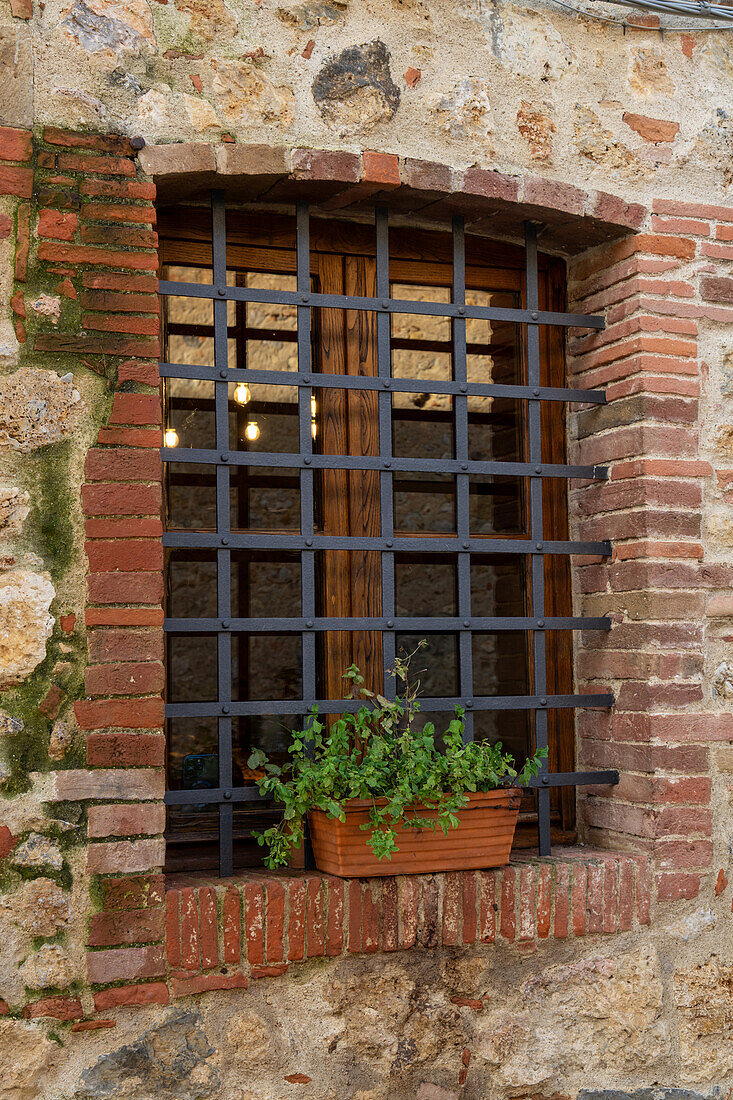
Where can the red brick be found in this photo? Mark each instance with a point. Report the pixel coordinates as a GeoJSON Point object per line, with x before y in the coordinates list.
{"type": "Point", "coordinates": [100, 143]}
{"type": "Point", "coordinates": [296, 919]}
{"type": "Point", "coordinates": [21, 9]}
{"type": "Point", "coordinates": [626, 895]}
{"type": "Point", "coordinates": [119, 322]}
{"type": "Point", "coordinates": [274, 920]}
{"type": "Point", "coordinates": [110, 499]}
{"type": "Point", "coordinates": [451, 909]}
{"type": "Point", "coordinates": [119, 302]}
{"type": "Point", "coordinates": [125, 964]}
{"type": "Point", "coordinates": [125, 855]}
{"type": "Point", "coordinates": [370, 917]}
{"type": "Point", "coordinates": [721, 882]}
{"type": "Point", "coordinates": [59, 226]}
{"type": "Point", "coordinates": [60, 1008]}
{"type": "Point", "coordinates": [189, 919]}
{"type": "Point", "coordinates": [119, 236]}
{"type": "Point", "coordinates": [686, 226]}
{"type": "Point", "coordinates": [135, 409]}
{"type": "Point", "coordinates": [124, 587]}
{"type": "Point", "coordinates": [131, 555]}
{"type": "Point", "coordinates": [115, 280]}
{"type": "Point", "coordinates": [716, 288]}
{"type": "Point", "coordinates": [118, 189]}
{"type": "Point", "coordinates": [115, 750]}
{"type": "Point", "coordinates": [208, 932]}
{"type": "Point", "coordinates": [489, 184]}
{"type": "Point", "coordinates": [544, 900]}
{"type": "Point", "coordinates": [562, 901]}
{"type": "Point", "coordinates": [127, 819]}
{"type": "Point", "coordinates": [22, 239]}
{"type": "Point", "coordinates": [121, 527]}
{"type": "Point", "coordinates": [125, 645]}
{"type": "Point", "coordinates": [320, 164]}
{"type": "Point", "coordinates": [555, 195]}
{"type": "Point", "coordinates": [6, 226]}
{"type": "Point", "coordinates": [152, 993]}
{"type": "Point", "coordinates": [131, 437]}
{"type": "Point", "coordinates": [382, 168]}
{"type": "Point", "coordinates": [335, 918]}
{"type": "Point", "coordinates": [579, 894]}
{"type": "Point", "coordinates": [203, 983]}
{"type": "Point", "coordinates": [275, 970]}
{"type": "Point", "coordinates": [390, 922]}
{"type": "Point", "coordinates": [86, 254]}
{"type": "Point", "coordinates": [90, 164]}
{"type": "Point", "coordinates": [527, 926]}
{"type": "Point", "coordinates": [429, 928]}
{"type": "Point", "coordinates": [508, 918]}
{"type": "Point", "coordinates": [469, 903]}
{"type": "Point", "coordinates": [487, 904]}
{"type": "Point", "coordinates": [610, 208]}
{"type": "Point", "coordinates": [610, 895]}
{"type": "Point", "coordinates": [15, 144]}
{"type": "Point", "coordinates": [411, 76]}
{"type": "Point", "coordinates": [92, 344]}
{"type": "Point", "coordinates": [173, 928]}
{"type": "Point", "coordinates": [231, 925]}
{"type": "Point", "coordinates": [409, 897]}
{"type": "Point", "coordinates": [355, 914]}
{"type": "Point", "coordinates": [16, 181]}
{"type": "Point", "coordinates": [254, 922]}
{"type": "Point", "coordinates": [678, 886]}
{"type": "Point", "coordinates": [133, 892]}
{"type": "Point", "coordinates": [125, 714]}
{"type": "Point", "coordinates": [107, 211]}
{"type": "Point", "coordinates": [314, 917]}
{"type": "Point", "coordinates": [143, 371]}
{"type": "Point", "coordinates": [131, 926]}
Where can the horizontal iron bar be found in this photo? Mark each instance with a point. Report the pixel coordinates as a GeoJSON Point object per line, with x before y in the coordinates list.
{"type": "Point", "coordinates": [573, 779]}
{"type": "Point", "coordinates": [249, 541]}
{"type": "Point", "coordinates": [397, 385]}
{"type": "Point", "coordinates": [281, 460]}
{"type": "Point", "coordinates": [379, 305]}
{"type": "Point", "coordinates": [402, 624]}
{"type": "Point", "coordinates": [335, 706]}
{"type": "Point", "coordinates": [204, 795]}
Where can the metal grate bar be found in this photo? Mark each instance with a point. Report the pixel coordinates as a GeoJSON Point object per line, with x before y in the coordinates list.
{"type": "Point", "coordinates": [463, 503]}
{"type": "Point", "coordinates": [223, 556]}
{"type": "Point", "coordinates": [386, 479]}
{"type": "Point", "coordinates": [397, 385]}
{"type": "Point", "coordinates": [382, 305]}
{"type": "Point", "coordinates": [400, 624]}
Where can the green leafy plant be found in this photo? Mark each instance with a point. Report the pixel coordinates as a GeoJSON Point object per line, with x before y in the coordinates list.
{"type": "Point", "coordinates": [378, 752]}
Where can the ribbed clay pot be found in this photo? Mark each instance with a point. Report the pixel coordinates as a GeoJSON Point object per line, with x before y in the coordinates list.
{"type": "Point", "coordinates": [482, 839]}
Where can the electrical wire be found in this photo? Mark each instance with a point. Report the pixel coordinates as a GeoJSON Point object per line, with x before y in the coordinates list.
{"type": "Point", "coordinates": [663, 6]}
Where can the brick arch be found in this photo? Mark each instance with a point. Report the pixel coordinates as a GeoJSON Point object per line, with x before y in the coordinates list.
{"type": "Point", "coordinates": [493, 203]}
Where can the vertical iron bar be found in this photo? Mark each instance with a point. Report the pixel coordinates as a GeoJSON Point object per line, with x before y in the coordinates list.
{"type": "Point", "coordinates": [307, 516]}
{"type": "Point", "coordinates": [386, 485]}
{"type": "Point", "coordinates": [537, 534]}
{"type": "Point", "coordinates": [223, 526]}
{"type": "Point", "coordinates": [463, 512]}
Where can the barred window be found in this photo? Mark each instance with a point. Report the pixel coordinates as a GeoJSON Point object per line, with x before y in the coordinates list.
{"type": "Point", "coordinates": [364, 446]}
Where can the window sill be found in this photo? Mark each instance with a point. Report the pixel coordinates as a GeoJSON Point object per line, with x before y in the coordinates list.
{"type": "Point", "coordinates": [222, 932]}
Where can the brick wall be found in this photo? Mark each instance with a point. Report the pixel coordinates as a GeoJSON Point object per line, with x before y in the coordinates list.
{"type": "Point", "coordinates": [659, 290]}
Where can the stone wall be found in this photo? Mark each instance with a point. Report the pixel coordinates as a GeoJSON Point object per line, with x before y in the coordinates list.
{"type": "Point", "coordinates": [603, 972]}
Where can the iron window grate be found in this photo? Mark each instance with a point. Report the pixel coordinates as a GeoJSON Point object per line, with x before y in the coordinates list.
{"type": "Point", "coordinates": [309, 624]}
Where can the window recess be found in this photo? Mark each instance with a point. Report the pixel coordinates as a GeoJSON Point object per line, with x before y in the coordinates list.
{"type": "Point", "coordinates": [364, 446]}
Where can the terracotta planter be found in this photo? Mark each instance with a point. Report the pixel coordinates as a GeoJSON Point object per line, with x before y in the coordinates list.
{"type": "Point", "coordinates": [482, 839]}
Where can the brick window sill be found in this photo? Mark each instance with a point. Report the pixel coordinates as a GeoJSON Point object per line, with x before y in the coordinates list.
{"type": "Point", "coordinates": [222, 933]}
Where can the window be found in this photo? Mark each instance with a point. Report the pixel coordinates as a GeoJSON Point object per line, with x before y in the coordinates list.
{"type": "Point", "coordinates": [365, 446]}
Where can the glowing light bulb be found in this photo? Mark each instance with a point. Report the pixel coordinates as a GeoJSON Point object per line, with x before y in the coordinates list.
{"type": "Point", "coordinates": [242, 394]}
{"type": "Point", "coordinates": [314, 407]}
{"type": "Point", "coordinates": [252, 431]}
{"type": "Point", "coordinates": [170, 437]}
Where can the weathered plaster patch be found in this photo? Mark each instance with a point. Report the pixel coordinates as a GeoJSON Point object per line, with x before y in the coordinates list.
{"type": "Point", "coordinates": [36, 408]}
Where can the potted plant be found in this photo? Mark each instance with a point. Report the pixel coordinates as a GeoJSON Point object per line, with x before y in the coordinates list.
{"type": "Point", "coordinates": [426, 807]}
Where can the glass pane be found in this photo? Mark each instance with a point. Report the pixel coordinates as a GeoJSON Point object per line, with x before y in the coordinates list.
{"type": "Point", "coordinates": [513, 728]}
{"type": "Point", "coordinates": [495, 505]}
{"type": "Point", "coordinates": [424, 503]}
{"type": "Point", "coordinates": [264, 499]}
{"type": "Point", "coordinates": [189, 321]}
{"type": "Point", "coordinates": [192, 668]}
{"type": "Point", "coordinates": [263, 418]}
{"type": "Point", "coordinates": [192, 753]}
{"type": "Point", "coordinates": [266, 666]}
{"type": "Point", "coordinates": [191, 413]}
{"type": "Point", "coordinates": [497, 585]}
{"type": "Point", "coordinates": [436, 667]}
{"type": "Point", "coordinates": [500, 663]}
{"type": "Point", "coordinates": [425, 587]}
{"type": "Point", "coordinates": [191, 496]}
{"type": "Point", "coordinates": [265, 584]}
{"type": "Point", "coordinates": [191, 584]}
